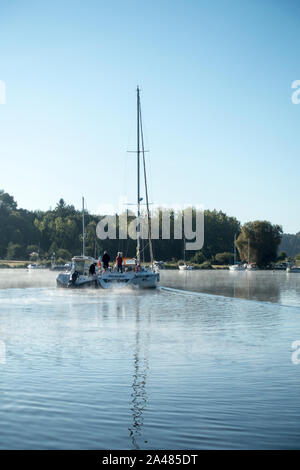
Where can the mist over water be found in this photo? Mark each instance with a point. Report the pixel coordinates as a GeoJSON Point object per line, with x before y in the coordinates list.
{"type": "Point", "coordinates": [21, 278]}
{"type": "Point", "coordinates": [169, 368]}
{"type": "Point", "coordinates": [267, 286]}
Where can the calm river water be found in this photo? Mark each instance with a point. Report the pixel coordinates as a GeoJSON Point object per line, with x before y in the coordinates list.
{"type": "Point", "coordinates": [204, 362]}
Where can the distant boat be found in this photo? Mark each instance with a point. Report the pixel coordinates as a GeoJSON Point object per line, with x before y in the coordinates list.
{"type": "Point", "coordinates": [279, 267]}
{"type": "Point", "coordinates": [59, 267]}
{"type": "Point", "coordinates": [236, 266]}
{"type": "Point", "coordinates": [184, 267]}
{"type": "Point", "coordinates": [30, 267]}
{"type": "Point", "coordinates": [33, 266]}
{"type": "Point", "coordinates": [250, 266]}
{"type": "Point", "coordinates": [80, 274]}
{"type": "Point", "coordinates": [293, 269]}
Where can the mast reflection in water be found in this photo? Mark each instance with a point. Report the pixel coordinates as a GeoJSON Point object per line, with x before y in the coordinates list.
{"type": "Point", "coordinates": [140, 365]}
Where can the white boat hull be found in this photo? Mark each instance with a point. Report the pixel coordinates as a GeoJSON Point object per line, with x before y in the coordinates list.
{"type": "Point", "coordinates": [251, 267]}
{"type": "Point", "coordinates": [30, 267]}
{"type": "Point", "coordinates": [185, 267]}
{"type": "Point", "coordinates": [143, 279]}
{"type": "Point", "coordinates": [65, 280]}
{"type": "Point", "coordinates": [237, 267]}
{"type": "Point", "coordinates": [293, 270]}
{"type": "Point", "coordinates": [109, 280]}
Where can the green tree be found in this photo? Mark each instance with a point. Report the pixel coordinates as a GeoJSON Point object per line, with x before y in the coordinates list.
{"type": "Point", "coordinates": [219, 232]}
{"type": "Point", "coordinates": [15, 251]}
{"type": "Point", "coordinates": [7, 201]}
{"type": "Point", "coordinates": [32, 249]}
{"type": "Point", "coordinates": [290, 243]}
{"type": "Point", "coordinates": [198, 258]}
{"type": "Point", "coordinates": [223, 258]}
{"type": "Point", "coordinates": [63, 254]}
{"type": "Point", "coordinates": [261, 240]}
{"type": "Point", "coordinates": [282, 256]}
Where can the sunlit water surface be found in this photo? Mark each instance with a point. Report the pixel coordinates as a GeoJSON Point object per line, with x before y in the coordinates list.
{"type": "Point", "coordinates": [174, 368]}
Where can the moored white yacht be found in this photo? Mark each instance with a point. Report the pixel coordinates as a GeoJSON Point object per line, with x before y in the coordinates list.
{"type": "Point", "coordinates": [185, 267]}
{"type": "Point", "coordinates": [236, 266]}
{"type": "Point", "coordinates": [293, 269]}
{"type": "Point", "coordinates": [35, 266]}
{"type": "Point", "coordinates": [83, 271]}
{"type": "Point", "coordinates": [251, 267]}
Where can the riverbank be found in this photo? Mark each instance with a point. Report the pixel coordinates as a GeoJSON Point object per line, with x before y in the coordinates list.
{"type": "Point", "coordinates": [4, 264]}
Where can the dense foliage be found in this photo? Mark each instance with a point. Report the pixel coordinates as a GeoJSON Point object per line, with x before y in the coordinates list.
{"type": "Point", "coordinates": [29, 234]}
{"type": "Point", "coordinates": [290, 244]}
{"type": "Point", "coordinates": [258, 242]}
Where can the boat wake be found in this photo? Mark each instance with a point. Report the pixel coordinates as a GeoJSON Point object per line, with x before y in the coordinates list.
{"type": "Point", "coordinates": [221, 297]}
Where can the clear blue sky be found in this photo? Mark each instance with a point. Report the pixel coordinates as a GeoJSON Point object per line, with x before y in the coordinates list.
{"type": "Point", "coordinates": [216, 93]}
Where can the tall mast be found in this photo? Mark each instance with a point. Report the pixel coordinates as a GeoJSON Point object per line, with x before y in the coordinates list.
{"type": "Point", "coordinates": [234, 248]}
{"type": "Point", "coordinates": [248, 250]}
{"type": "Point", "coordinates": [146, 191]}
{"type": "Point", "coordinates": [138, 174]}
{"type": "Point", "coordinates": [83, 229]}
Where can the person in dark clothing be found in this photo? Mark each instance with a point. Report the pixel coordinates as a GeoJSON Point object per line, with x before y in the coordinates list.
{"type": "Point", "coordinates": [74, 278]}
{"type": "Point", "coordinates": [92, 269]}
{"type": "Point", "coordinates": [105, 260]}
{"type": "Point", "coordinates": [119, 261]}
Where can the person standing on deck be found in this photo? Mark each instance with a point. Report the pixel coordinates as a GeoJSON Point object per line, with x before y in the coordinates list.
{"type": "Point", "coordinates": [119, 261]}
{"type": "Point", "coordinates": [105, 260]}
{"type": "Point", "coordinates": [92, 270]}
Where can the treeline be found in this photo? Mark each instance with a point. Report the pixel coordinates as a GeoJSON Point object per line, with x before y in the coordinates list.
{"type": "Point", "coordinates": [290, 244]}
{"type": "Point", "coordinates": [59, 231]}
{"type": "Point", "coordinates": [28, 234]}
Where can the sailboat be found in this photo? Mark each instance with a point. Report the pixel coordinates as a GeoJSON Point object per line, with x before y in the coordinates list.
{"type": "Point", "coordinates": [250, 266]}
{"type": "Point", "coordinates": [184, 267]}
{"type": "Point", "coordinates": [30, 267]}
{"type": "Point", "coordinates": [293, 269]}
{"type": "Point", "coordinates": [236, 266]}
{"type": "Point", "coordinates": [82, 273]}
{"type": "Point", "coordinates": [134, 274]}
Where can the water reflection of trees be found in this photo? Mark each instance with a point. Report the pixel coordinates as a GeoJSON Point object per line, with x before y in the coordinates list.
{"type": "Point", "coordinates": [258, 285]}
